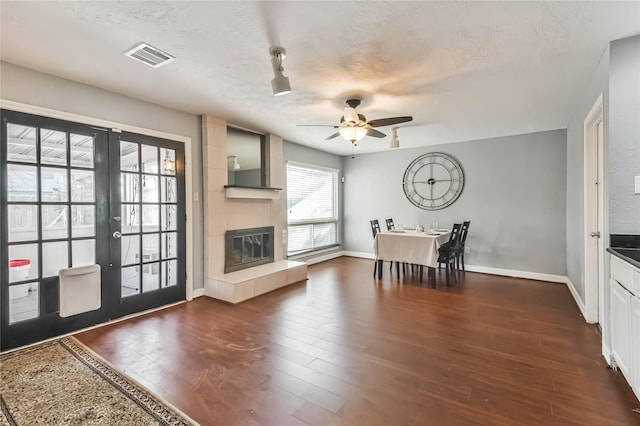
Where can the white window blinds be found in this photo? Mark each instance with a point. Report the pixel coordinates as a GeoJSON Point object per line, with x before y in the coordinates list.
{"type": "Point", "coordinates": [312, 207]}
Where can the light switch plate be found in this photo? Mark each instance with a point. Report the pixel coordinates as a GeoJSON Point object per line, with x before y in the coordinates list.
{"type": "Point", "coordinates": [637, 184]}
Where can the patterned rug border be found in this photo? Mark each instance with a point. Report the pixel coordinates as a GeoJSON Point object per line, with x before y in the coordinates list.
{"type": "Point", "coordinates": [161, 410]}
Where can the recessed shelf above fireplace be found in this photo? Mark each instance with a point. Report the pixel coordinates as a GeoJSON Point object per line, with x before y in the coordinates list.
{"type": "Point", "coordinates": [261, 193]}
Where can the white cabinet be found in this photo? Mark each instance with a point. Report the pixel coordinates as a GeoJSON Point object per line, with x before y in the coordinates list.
{"type": "Point", "coordinates": [635, 343]}
{"type": "Point", "coordinates": [625, 320]}
{"type": "Point", "coordinates": [621, 327]}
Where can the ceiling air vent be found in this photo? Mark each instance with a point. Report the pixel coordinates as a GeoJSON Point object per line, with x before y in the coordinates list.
{"type": "Point", "coordinates": [149, 55]}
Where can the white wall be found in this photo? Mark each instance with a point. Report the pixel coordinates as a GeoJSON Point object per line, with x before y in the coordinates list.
{"type": "Point", "coordinates": [514, 195]}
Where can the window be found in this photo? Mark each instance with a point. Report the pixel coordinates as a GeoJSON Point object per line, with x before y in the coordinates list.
{"type": "Point", "coordinates": [312, 203]}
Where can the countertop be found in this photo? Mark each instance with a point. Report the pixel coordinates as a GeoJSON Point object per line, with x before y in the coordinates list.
{"type": "Point", "coordinates": [630, 255]}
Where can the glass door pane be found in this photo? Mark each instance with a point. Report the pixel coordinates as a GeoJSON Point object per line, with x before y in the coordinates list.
{"type": "Point", "coordinates": [149, 200]}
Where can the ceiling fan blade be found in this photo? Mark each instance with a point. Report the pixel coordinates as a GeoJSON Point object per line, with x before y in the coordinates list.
{"type": "Point", "coordinates": [375, 133]}
{"type": "Point", "coordinates": [317, 125]}
{"type": "Point", "coordinates": [335, 135]}
{"type": "Point", "coordinates": [389, 121]}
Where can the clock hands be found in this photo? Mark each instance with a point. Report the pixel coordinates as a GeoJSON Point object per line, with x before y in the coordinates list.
{"type": "Point", "coordinates": [431, 181]}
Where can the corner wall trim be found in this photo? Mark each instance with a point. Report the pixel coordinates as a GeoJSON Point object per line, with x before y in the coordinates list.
{"type": "Point", "coordinates": [576, 297]}
{"type": "Point", "coordinates": [198, 292]}
{"type": "Point", "coordinates": [606, 353]}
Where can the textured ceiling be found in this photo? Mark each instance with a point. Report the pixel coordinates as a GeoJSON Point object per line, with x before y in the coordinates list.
{"type": "Point", "coordinates": [464, 70]}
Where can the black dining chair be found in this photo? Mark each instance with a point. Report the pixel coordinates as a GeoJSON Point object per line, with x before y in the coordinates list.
{"type": "Point", "coordinates": [390, 225]}
{"type": "Point", "coordinates": [447, 252]}
{"type": "Point", "coordinates": [460, 248]}
{"type": "Point", "coordinates": [375, 228]}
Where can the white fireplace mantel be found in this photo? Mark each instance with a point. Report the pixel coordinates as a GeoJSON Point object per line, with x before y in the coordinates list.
{"type": "Point", "coordinates": [232, 191]}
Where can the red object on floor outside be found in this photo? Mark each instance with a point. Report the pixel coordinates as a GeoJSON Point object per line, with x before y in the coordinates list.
{"type": "Point", "coordinates": [18, 262]}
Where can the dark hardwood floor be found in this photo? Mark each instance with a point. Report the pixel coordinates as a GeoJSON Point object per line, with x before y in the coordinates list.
{"type": "Point", "coordinates": [346, 349]}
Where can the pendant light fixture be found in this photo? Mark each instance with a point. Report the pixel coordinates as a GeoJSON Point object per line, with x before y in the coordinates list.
{"type": "Point", "coordinates": [280, 84]}
{"type": "Point", "coordinates": [234, 162]}
{"type": "Point", "coordinates": [395, 142]}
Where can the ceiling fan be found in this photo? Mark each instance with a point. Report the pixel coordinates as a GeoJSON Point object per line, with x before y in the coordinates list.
{"type": "Point", "coordinates": [354, 126]}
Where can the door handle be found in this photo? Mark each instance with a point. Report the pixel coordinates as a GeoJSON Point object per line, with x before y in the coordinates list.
{"type": "Point", "coordinates": [117, 234]}
{"type": "Point", "coordinates": [595, 234]}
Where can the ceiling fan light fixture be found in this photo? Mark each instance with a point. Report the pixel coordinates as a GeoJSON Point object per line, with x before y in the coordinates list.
{"type": "Point", "coordinates": [350, 115]}
{"type": "Point", "coordinates": [280, 84]}
{"type": "Point", "coordinates": [353, 133]}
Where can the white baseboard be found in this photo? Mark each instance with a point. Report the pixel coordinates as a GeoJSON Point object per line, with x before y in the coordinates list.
{"type": "Point", "coordinates": [323, 258]}
{"type": "Point", "coordinates": [517, 274]}
{"type": "Point", "coordinates": [606, 353]}
{"type": "Point", "coordinates": [358, 254]}
{"type": "Point", "coordinates": [487, 270]}
{"type": "Point", "coordinates": [576, 297]}
{"type": "Point", "coordinates": [562, 279]}
{"type": "Point", "coordinates": [197, 292]}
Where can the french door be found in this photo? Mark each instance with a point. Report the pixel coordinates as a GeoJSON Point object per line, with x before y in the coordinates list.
{"type": "Point", "coordinates": [147, 223]}
{"type": "Point", "coordinates": [75, 195]}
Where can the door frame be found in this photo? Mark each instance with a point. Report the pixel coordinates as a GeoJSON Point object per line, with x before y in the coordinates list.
{"type": "Point", "coordinates": [594, 201]}
{"type": "Point", "coordinates": [115, 126]}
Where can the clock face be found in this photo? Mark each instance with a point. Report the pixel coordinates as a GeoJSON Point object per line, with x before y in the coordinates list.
{"type": "Point", "coordinates": [433, 181]}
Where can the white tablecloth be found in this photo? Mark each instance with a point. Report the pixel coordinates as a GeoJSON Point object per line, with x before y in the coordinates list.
{"type": "Point", "coordinates": [411, 247]}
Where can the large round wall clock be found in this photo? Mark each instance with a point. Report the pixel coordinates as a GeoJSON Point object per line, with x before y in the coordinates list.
{"type": "Point", "coordinates": [433, 181]}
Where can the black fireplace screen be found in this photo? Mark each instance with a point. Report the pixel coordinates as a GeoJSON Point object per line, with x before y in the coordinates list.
{"type": "Point", "coordinates": [245, 248]}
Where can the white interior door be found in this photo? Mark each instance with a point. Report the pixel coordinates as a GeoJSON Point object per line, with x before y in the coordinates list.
{"type": "Point", "coordinates": [594, 214]}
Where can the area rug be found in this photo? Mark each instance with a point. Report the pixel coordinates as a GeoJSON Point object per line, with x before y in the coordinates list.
{"type": "Point", "coordinates": [62, 382]}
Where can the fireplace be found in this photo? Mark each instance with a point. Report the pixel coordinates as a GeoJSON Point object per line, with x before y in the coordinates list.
{"type": "Point", "coordinates": [245, 248]}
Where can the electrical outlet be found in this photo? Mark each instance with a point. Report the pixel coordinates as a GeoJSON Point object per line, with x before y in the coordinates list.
{"type": "Point", "coordinates": [637, 185]}
{"type": "Point", "coordinates": [467, 250]}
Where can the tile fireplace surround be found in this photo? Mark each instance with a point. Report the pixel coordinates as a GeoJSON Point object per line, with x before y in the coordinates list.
{"type": "Point", "coordinates": [223, 213]}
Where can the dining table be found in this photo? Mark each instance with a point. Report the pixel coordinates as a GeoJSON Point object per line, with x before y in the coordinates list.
{"type": "Point", "coordinates": [409, 246]}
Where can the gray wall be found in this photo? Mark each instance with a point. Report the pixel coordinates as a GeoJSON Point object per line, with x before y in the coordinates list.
{"type": "Point", "coordinates": [575, 171]}
{"type": "Point", "coordinates": [514, 195]}
{"type": "Point", "coordinates": [35, 88]}
{"type": "Point", "coordinates": [624, 135]}
{"type": "Point", "coordinates": [251, 177]}
{"type": "Point", "coordinates": [303, 154]}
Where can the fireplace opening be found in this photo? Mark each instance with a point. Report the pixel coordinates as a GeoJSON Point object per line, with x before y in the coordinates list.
{"type": "Point", "coordinates": [246, 248]}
